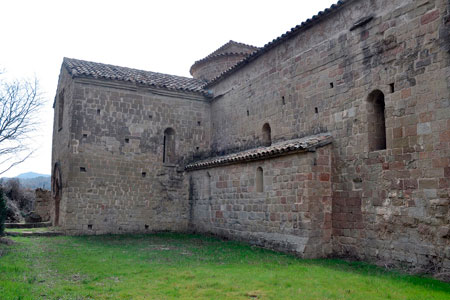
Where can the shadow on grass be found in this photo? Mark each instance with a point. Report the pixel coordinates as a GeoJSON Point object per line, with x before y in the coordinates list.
{"type": "Point", "coordinates": [233, 252]}
{"type": "Point", "coordinates": [368, 270]}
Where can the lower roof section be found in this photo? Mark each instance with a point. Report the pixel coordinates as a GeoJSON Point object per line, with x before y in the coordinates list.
{"type": "Point", "coordinates": [308, 143]}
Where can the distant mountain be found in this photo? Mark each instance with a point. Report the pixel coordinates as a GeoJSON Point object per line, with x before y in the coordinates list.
{"type": "Point", "coordinates": [31, 175]}
{"type": "Point", "coordinates": [42, 182]}
{"type": "Point", "coordinates": [31, 180]}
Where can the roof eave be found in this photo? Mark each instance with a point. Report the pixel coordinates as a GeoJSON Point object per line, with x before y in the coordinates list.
{"type": "Point", "coordinates": [75, 74]}
{"type": "Point", "coordinates": [249, 157]}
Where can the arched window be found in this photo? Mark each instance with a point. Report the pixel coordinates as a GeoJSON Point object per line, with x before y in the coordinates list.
{"type": "Point", "coordinates": [169, 146]}
{"type": "Point", "coordinates": [259, 180]}
{"type": "Point", "coordinates": [60, 109]}
{"type": "Point", "coordinates": [376, 121]}
{"type": "Point", "coordinates": [208, 185]}
{"type": "Point", "coordinates": [266, 135]}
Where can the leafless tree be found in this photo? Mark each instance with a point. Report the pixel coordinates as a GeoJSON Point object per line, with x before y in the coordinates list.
{"type": "Point", "coordinates": [19, 104]}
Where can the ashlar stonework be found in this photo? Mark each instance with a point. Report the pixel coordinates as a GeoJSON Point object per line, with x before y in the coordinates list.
{"type": "Point", "coordinates": [43, 204]}
{"type": "Point", "coordinates": [331, 140]}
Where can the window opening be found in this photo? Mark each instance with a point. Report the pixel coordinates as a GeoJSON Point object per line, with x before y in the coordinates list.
{"type": "Point", "coordinates": [392, 87]}
{"type": "Point", "coordinates": [60, 109]}
{"type": "Point", "coordinates": [376, 121]}
{"type": "Point", "coordinates": [259, 180]}
{"type": "Point", "coordinates": [266, 135]}
{"type": "Point", "coordinates": [169, 146]}
{"type": "Point", "coordinates": [208, 184]}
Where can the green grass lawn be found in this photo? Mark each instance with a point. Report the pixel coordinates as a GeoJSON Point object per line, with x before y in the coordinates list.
{"type": "Point", "coordinates": [173, 266]}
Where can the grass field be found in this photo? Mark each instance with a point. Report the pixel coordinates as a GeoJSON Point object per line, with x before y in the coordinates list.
{"type": "Point", "coordinates": [176, 266]}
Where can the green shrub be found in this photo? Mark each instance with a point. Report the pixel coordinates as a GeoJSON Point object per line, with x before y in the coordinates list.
{"type": "Point", "coordinates": [2, 213]}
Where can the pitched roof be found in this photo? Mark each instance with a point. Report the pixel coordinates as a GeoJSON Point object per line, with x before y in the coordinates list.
{"type": "Point", "coordinates": [231, 48]}
{"type": "Point", "coordinates": [81, 68]}
{"type": "Point", "coordinates": [278, 149]}
{"type": "Point", "coordinates": [293, 31]}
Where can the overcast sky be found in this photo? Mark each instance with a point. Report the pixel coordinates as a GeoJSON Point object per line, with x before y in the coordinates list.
{"type": "Point", "coordinates": [162, 36]}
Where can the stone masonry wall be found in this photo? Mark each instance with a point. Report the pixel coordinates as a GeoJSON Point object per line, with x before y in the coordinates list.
{"type": "Point", "coordinates": [389, 205]}
{"type": "Point", "coordinates": [293, 213]}
{"type": "Point", "coordinates": [117, 180]}
{"type": "Point", "coordinates": [43, 204]}
{"type": "Point", "coordinates": [213, 67]}
{"type": "Point", "coordinates": [61, 140]}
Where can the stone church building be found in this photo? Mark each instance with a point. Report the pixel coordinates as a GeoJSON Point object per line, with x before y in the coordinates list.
{"type": "Point", "coordinates": [331, 140]}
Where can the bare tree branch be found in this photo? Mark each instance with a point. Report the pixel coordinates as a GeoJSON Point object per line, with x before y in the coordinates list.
{"type": "Point", "coordinates": [15, 163]}
{"type": "Point", "coordinates": [19, 104]}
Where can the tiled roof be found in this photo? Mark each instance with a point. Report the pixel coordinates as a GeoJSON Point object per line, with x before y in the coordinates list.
{"type": "Point", "coordinates": [277, 149]}
{"type": "Point", "coordinates": [228, 49]}
{"type": "Point", "coordinates": [211, 56]}
{"type": "Point", "coordinates": [231, 44]}
{"type": "Point", "coordinates": [81, 68]}
{"type": "Point", "coordinates": [309, 22]}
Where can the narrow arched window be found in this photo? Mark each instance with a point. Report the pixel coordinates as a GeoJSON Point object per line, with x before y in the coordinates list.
{"type": "Point", "coordinates": [208, 185]}
{"type": "Point", "coordinates": [266, 135]}
{"type": "Point", "coordinates": [259, 180]}
{"type": "Point", "coordinates": [60, 109]}
{"type": "Point", "coordinates": [376, 121]}
{"type": "Point", "coordinates": [169, 146]}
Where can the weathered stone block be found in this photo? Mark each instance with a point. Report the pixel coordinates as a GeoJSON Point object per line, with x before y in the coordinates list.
{"type": "Point", "coordinates": [377, 189]}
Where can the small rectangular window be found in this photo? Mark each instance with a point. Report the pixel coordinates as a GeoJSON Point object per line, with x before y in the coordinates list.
{"type": "Point", "coordinates": [392, 87]}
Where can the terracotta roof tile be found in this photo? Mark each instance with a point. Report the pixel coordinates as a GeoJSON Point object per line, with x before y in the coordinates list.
{"type": "Point", "coordinates": [278, 149]}
{"type": "Point", "coordinates": [243, 47]}
{"type": "Point", "coordinates": [228, 49]}
{"type": "Point", "coordinates": [81, 68]}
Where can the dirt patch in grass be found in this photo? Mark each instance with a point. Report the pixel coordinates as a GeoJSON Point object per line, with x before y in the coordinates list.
{"type": "Point", "coordinates": [6, 241]}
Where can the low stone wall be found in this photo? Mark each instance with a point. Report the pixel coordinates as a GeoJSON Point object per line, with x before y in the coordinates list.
{"type": "Point", "coordinates": [292, 213]}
